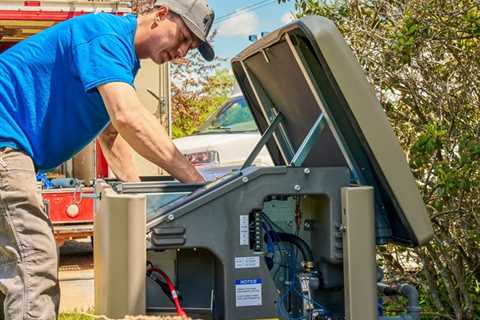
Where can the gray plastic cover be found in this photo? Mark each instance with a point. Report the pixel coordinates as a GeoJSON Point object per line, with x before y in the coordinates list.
{"type": "Point", "coordinates": [305, 69]}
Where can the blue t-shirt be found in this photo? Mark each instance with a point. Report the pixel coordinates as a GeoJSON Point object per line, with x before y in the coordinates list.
{"type": "Point", "coordinates": [49, 105]}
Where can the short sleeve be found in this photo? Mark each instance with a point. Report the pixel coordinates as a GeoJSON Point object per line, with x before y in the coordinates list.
{"type": "Point", "coordinates": [104, 59]}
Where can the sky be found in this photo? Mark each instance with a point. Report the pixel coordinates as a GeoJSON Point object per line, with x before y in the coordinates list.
{"type": "Point", "coordinates": [237, 19]}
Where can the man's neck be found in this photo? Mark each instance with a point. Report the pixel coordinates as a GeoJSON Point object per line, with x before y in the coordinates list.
{"type": "Point", "coordinates": [144, 23]}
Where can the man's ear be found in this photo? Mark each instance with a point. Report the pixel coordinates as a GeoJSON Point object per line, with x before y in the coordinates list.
{"type": "Point", "coordinates": [161, 13]}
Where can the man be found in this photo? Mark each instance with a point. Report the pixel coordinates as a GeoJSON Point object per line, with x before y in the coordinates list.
{"type": "Point", "coordinates": [58, 90]}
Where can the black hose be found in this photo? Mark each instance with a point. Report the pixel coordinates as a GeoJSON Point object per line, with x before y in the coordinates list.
{"type": "Point", "coordinates": [293, 239]}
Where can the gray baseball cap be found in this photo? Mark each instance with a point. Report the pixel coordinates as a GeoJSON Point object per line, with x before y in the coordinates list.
{"type": "Point", "coordinates": [198, 17]}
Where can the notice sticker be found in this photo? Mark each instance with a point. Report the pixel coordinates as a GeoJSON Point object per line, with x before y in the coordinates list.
{"type": "Point", "coordinates": [248, 292]}
{"type": "Point", "coordinates": [247, 262]}
{"type": "Point", "coordinates": [244, 240]}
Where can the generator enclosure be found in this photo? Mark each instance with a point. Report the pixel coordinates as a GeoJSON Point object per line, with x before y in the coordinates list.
{"type": "Point", "coordinates": [292, 240]}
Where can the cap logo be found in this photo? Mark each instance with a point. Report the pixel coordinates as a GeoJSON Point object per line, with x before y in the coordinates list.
{"type": "Point", "coordinates": [208, 21]}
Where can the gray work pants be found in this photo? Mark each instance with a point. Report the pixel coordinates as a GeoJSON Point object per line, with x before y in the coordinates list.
{"type": "Point", "coordinates": [28, 255]}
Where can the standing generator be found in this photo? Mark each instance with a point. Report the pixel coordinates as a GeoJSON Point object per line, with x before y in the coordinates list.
{"type": "Point", "coordinates": [296, 240]}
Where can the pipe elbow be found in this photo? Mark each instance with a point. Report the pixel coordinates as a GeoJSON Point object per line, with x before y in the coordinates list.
{"type": "Point", "coordinates": [411, 293]}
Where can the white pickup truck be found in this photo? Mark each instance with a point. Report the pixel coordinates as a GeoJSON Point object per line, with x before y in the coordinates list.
{"type": "Point", "coordinates": [224, 141]}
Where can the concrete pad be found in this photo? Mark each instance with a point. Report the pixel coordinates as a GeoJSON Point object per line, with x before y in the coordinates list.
{"type": "Point", "coordinates": [76, 276]}
{"type": "Point", "coordinates": [77, 292]}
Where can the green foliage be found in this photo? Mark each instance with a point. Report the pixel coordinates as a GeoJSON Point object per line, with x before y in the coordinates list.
{"type": "Point", "coordinates": [422, 57]}
{"type": "Point", "coordinates": [198, 90]}
{"type": "Point", "coordinates": [75, 316]}
{"type": "Point", "coordinates": [405, 39]}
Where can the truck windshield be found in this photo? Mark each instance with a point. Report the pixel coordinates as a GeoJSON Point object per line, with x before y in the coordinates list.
{"type": "Point", "coordinates": [233, 117]}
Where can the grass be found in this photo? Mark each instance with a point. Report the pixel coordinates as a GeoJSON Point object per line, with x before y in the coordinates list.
{"type": "Point", "coordinates": [74, 316]}
{"type": "Point", "coordinates": [78, 315]}
{"type": "Point", "coordinates": [89, 315]}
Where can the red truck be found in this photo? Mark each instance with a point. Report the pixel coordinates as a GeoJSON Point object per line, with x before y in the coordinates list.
{"type": "Point", "coordinates": [70, 209]}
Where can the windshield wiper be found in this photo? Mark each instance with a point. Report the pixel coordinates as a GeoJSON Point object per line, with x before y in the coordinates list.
{"type": "Point", "coordinates": [215, 130]}
{"type": "Point", "coordinates": [220, 128]}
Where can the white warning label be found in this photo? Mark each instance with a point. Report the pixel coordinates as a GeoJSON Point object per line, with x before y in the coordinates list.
{"type": "Point", "coordinates": [247, 262]}
{"type": "Point", "coordinates": [244, 240]}
{"type": "Point", "coordinates": [248, 292]}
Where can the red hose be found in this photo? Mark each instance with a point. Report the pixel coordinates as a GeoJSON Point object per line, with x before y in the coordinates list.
{"type": "Point", "coordinates": [173, 292]}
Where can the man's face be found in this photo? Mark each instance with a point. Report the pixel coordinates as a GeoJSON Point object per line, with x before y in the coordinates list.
{"type": "Point", "coordinates": [171, 39]}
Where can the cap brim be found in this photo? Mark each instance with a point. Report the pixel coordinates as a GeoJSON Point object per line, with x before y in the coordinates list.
{"type": "Point", "coordinates": [205, 49]}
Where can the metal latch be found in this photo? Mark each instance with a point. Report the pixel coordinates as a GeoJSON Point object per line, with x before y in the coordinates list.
{"type": "Point", "coordinates": [91, 196]}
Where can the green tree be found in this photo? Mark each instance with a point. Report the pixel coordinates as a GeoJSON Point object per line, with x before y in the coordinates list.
{"type": "Point", "coordinates": [422, 57]}
{"type": "Point", "coordinates": [196, 94]}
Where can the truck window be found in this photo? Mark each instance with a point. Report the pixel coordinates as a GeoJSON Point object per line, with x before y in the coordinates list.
{"type": "Point", "coordinates": [233, 117]}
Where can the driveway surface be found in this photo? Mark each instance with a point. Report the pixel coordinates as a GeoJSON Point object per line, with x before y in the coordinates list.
{"type": "Point", "coordinates": [76, 276]}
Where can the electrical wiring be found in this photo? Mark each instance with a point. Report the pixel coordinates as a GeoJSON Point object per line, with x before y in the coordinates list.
{"type": "Point", "coordinates": [163, 285]}
{"type": "Point", "coordinates": [171, 287]}
{"type": "Point", "coordinates": [290, 289]}
{"type": "Point", "coordinates": [270, 255]}
{"type": "Point", "coordinates": [284, 263]}
{"type": "Point", "coordinates": [276, 243]}
{"type": "Point", "coordinates": [285, 291]}
{"type": "Point", "coordinates": [273, 224]}
{"type": "Point", "coordinates": [289, 262]}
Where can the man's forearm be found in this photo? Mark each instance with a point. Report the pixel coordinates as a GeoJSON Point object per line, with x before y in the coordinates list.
{"type": "Point", "coordinates": [149, 139]}
{"type": "Point", "coordinates": [144, 133]}
{"type": "Point", "coordinates": [118, 155]}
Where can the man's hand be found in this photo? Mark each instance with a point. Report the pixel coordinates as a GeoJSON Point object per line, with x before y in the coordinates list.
{"type": "Point", "coordinates": [144, 133]}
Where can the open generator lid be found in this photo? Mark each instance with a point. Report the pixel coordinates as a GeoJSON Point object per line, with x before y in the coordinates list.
{"type": "Point", "coordinates": [305, 72]}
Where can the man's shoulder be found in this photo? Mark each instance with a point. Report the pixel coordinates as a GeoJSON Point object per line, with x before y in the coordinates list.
{"type": "Point", "coordinates": [95, 18]}
{"type": "Point", "coordinates": [91, 26]}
